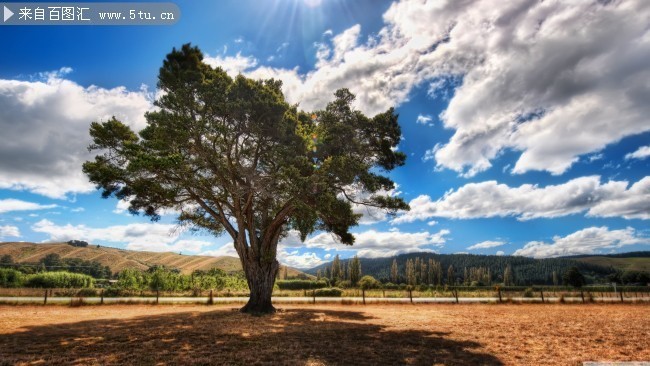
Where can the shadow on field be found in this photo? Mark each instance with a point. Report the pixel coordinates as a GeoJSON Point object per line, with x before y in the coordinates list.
{"type": "Point", "coordinates": [301, 336]}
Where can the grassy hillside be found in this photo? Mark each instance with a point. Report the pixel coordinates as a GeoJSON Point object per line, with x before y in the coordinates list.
{"type": "Point", "coordinates": [118, 259]}
{"type": "Point", "coordinates": [621, 263]}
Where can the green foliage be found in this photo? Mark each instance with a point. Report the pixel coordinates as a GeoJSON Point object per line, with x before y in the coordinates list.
{"type": "Point", "coordinates": [6, 260]}
{"type": "Point", "coordinates": [328, 292]}
{"type": "Point", "coordinates": [337, 272]}
{"type": "Point", "coordinates": [354, 270]}
{"type": "Point", "coordinates": [529, 292]}
{"type": "Point", "coordinates": [301, 284]}
{"type": "Point", "coordinates": [132, 280]}
{"type": "Point", "coordinates": [59, 280]}
{"type": "Point", "coordinates": [10, 278]}
{"type": "Point", "coordinates": [369, 282]}
{"type": "Point", "coordinates": [87, 292]}
{"type": "Point", "coordinates": [52, 262]}
{"type": "Point", "coordinates": [345, 284]}
{"type": "Point", "coordinates": [573, 277]}
{"type": "Point", "coordinates": [390, 286]}
{"type": "Point", "coordinates": [640, 277]}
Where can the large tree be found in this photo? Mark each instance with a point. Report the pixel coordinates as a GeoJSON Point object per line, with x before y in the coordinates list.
{"type": "Point", "coordinates": [232, 156]}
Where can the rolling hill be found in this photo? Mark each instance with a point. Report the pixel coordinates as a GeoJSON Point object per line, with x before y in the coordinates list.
{"type": "Point", "coordinates": [118, 259]}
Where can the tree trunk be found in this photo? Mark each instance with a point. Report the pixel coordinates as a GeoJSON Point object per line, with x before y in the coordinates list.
{"type": "Point", "coordinates": [260, 278]}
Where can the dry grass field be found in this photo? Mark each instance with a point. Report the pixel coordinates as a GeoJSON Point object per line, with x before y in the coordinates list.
{"type": "Point", "coordinates": [326, 335]}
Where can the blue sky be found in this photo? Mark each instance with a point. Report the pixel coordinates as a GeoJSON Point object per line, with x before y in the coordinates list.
{"type": "Point", "coordinates": [525, 124]}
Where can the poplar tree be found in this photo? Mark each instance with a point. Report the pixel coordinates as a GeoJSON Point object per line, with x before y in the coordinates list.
{"type": "Point", "coordinates": [394, 274]}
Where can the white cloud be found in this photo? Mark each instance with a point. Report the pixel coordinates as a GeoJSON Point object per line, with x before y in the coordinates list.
{"type": "Point", "coordinates": [191, 246]}
{"type": "Point", "coordinates": [232, 65]}
{"type": "Point", "coordinates": [642, 153]}
{"type": "Point", "coordinates": [139, 236]}
{"type": "Point", "coordinates": [289, 258]}
{"type": "Point", "coordinates": [424, 120]}
{"type": "Point", "coordinates": [500, 253]}
{"type": "Point", "coordinates": [587, 241]}
{"type": "Point", "coordinates": [300, 261]}
{"type": "Point", "coordinates": [45, 125]}
{"type": "Point", "coordinates": [372, 243]}
{"type": "Point", "coordinates": [535, 77]}
{"type": "Point", "coordinates": [121, 207]}
{"type": "Point", "coordinates": [9, 231]}
{"type": "Point", "coordinates": [227, 250]}
{"type": "Point", "coordinates": [432, 223]}
{"type": "Point", "coordinates": [10, 204]}
{"type": "Point", "coordinates": [595, 157]}
{"type": "Point", "coordinates": [540, 78]}
{"type": "Point", "coordinates": [490, 199]}
{"type": "Point", "coordinates": [486, 244]}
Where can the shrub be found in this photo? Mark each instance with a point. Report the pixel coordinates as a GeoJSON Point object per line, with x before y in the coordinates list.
{"type": "Point", "coordinates": [328, 292]}
{"type": "Point", "coordinates": [10, 278]}
{"type": "Point", "coordinates": [528, 292]}
{"type": "Point", "coordinates": [391, 286]}
{"type": "Point", "coordinates": [423, 288]}
{"type": "Point", "coordinates": [368, 282]}
{"type": "Point", "coordinates": [87, 292]}
{"type": "Point", "coordinates": [402, 286]}
{"type": "Point", "coordinates": [301, 284]}
{"type": "Point", "coordinates": [345, 284]}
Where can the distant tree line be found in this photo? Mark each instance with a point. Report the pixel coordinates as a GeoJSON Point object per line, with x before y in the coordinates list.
{"type": "Point", "coordinates": [471, 270]}
{"type": "Point", "coordinates": [54, 262]}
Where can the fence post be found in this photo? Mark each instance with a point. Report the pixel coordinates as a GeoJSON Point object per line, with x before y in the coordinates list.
{"type": "Point", "coordinates": [102, 295]}
{"type": "Point", "coordinates": [363, 292]}
{"type": "Point", "coordinates": [499, 290]}
{"type": "Point", "coordinates": [621, 292]}
{"type": "Point", "coordinates": [157, 296]}
{"type": "Point", "coordinates": [411, 295]}
{"type": "Point", "coordinates": [313, 294]}
{"type": "Point", "coordinates": [456, 295]}
{"type": "Point", "coordinates": [45, 300]}
{"type": "Point", "coordinates": [582, 294]}
{"type": "Point", "coordinates": [541, 291]}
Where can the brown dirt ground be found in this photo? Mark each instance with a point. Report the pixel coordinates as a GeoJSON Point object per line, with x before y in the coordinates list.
{"type": "Point", "coordinates": [440, 334]}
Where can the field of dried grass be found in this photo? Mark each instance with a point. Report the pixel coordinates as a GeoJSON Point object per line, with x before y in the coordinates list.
{"type": "Point", "coordinates": [531, 334]}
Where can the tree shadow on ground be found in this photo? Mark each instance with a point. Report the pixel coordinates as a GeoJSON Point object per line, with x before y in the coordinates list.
{"type": "Point", "coordinates": [294, 337]}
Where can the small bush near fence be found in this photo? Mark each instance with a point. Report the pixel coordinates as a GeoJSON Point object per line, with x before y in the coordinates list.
{"type": "Point", "coordinates": [300, 284]}
{"type": "Point", "coordinates": [328, 292]}
{"type": "Point", "coordinates": [10, 278]}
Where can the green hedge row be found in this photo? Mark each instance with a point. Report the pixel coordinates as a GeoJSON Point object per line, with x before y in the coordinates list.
{"type": "Point", "coordinates": [301, 284]}
{"type": "Point", "coordinates": [59, 280]}
{"type": "Point", "coordinates": [328, 292]}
